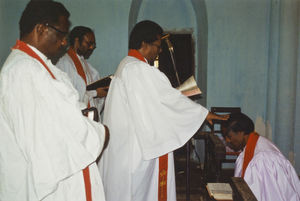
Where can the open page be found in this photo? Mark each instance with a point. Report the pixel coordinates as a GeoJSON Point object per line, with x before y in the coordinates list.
{"type": "Point", "coordinates": [189, 87]}
{"type": "Point", "coordinates": [220, 191]}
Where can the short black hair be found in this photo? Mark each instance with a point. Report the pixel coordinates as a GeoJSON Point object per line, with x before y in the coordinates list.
{"type": "Point", "coordinates": [78, 32]}
{"type": "Point", "coordinates": [41, 12]}
{"type": "Point", "coordinates": [239, 122]}
{"type": "Point", "coordinates": [144, 31]}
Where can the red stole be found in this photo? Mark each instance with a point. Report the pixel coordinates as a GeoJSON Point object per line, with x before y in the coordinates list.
{"type": "Point", "coordinates": [20, 45]}
{"type": "Point", "coordinates": [249, 151]}
{"type": "Point", "coordinates": [77, 63]}
{"type": "Point", "coordinates": [163, 160]}
{"type": "Point", "coordinates": [78, 66]}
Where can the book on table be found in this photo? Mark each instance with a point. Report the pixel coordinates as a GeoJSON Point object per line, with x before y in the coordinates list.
{"type": "Point", "coordinates": [102, 83]}
{"type": "Point", "coordinates": [219, 191]}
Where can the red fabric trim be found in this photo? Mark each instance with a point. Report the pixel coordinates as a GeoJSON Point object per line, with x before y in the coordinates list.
{"type": "Point", "coordinates": [77, 63]}
{"type": "Point", "coordinates": [163, 178]}
{"type": "Point", "coordinates": [78, 66]}
{"type": "Point", "coordinates": [249, 151]}
{"type": "Point", "coordinates": [136, 54]}
{"type": "Point", "coordinates": [20, 45]}
{"type": "Point", "coordinates": [163, 160]}
{"type": "Point", "coordinates": [87, 184]}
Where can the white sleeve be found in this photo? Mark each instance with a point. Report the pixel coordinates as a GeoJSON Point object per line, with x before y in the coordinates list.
{"type": "Point", "coordinates": [164, 118]}
{"type": "Point", "coordinates": [45, 116]}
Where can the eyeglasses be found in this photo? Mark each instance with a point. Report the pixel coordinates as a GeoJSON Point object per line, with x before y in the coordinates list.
{"type": "Point", "coordinates": [90, 44]}
{"type": "Point", "coordinates": [57, 30]}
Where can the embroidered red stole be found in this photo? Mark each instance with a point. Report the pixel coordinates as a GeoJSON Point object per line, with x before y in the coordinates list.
{"type": "Point", "coordinates": [163, 160]}
{"type": "Point", "coordinates": [20, 45]}
{"type": "Point", "coordinates": [249, 151]}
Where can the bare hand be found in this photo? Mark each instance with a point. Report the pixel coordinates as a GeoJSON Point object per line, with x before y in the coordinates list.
{"type": "Point", "coordinates": [211, 116]}
{"type": "Point", "coordinates": [102, 92]}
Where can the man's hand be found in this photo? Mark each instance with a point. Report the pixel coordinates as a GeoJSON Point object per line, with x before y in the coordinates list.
{"type": "Point", "coordinates": [102, 92]}
{"type": "Point", "coordinates": [211, 116]}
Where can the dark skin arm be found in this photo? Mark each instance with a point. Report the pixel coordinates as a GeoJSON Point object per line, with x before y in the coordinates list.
{"type": "Point", "coordinates": [211, 116]}
{"type": "Point", "coordinates": [102, 92]}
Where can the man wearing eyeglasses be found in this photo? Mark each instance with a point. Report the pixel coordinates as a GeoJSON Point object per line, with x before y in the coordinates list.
{"type": "Point", "coordinates": [48, 148]}
{"type": "Point", "coordinates": [148, 119]}
{"type": "Point", "coordinates": [82, 44]}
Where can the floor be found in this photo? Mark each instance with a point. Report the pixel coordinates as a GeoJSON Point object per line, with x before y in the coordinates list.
{"type": "Point", "coordinates": [197, 181]}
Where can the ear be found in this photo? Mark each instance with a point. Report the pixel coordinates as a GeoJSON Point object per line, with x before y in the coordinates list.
{"type": "Point", "coordinates": [76, 43]}
{"type": "Point", "coordinates": [40, 29]}
{"type": "Point", "coordinates": [241, 133]}
{"type": "Point", "coordinates": [144, 45]}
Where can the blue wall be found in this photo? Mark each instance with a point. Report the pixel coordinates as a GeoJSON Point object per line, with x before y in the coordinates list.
{"type": "Point", "coordinates": [246, 51]}
{"type": "Point", "coordinates": [10, 13]}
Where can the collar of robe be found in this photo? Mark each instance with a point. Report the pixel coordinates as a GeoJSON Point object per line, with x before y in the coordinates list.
{"type": "Point", "coordinates": [136, 54]}
{"type": "Point", "coordinates": [20, 45]}
{"type": "Point", "coordinates": [249, 150]}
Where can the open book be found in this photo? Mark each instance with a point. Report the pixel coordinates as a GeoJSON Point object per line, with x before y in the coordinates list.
{"type": "Point", "coordinates": [219, 191]}
{"type": "Point", "coordinates": [104, 82]}
{"type": "Point", "coordinates": [189, 87]}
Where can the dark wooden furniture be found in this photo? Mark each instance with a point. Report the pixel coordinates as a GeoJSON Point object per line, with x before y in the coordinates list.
{"type": "Point", "coordinates": [241, 190]}
{"type": "Point", "coordinates": [215, 149]}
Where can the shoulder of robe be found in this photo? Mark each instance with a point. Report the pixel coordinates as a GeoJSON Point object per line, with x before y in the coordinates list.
{"type": "Point", "coordinates": [22, 63]}
{"type": "Point", "coordinates": [65, 62]}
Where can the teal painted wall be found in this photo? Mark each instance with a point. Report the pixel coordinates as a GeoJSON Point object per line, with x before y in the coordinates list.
{"type": "Point", "coordinates": [109, 20]}
{"type": "Point", "coordinates": [238, 54]}
{"type": "Point", "coordinates": [10, 13]}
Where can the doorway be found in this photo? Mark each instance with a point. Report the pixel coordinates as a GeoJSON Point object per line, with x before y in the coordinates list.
{"type": "Point", "coordinates": [183, 46]}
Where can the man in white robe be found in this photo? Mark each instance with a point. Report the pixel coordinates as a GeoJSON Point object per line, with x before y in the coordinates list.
{"type": "Point", "coordinates": [148, 119]}
{"type": "Point", "coordinates": [82, 44]}
{"type": "Point", "coordinates": [268, 173]}
{"type": "Point", "coordinates": [48, 148]}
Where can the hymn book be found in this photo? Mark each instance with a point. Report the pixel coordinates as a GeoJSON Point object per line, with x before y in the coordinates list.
{"type": "Point", "coordinates": [189, 87]}
{"type": "Point", "coordinates": [104, 82]}
{"type": "Point", "coordinates": [219, 191]}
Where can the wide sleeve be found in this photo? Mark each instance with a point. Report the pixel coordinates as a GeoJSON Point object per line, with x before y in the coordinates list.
{"type": "Point", "coordinates": [271, 177]}
{"type": "Point", "coordinates": [45, 117]}
{"type": "Point", "coordinates": [164, 119]}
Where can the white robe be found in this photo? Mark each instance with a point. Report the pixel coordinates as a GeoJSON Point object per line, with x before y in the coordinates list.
{"type": "Point", "coordinates": [269, 174]}
{"type": "Point", "coordinates": [147, 118]}
{"type": "Point", "coordinates": [45, 139]}
{"type": "Point", "coordinates": [67, 65]}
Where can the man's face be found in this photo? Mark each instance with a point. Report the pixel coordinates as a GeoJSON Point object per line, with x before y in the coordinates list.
{"type": "Point", "coordinates": [87, 46]}
{"type": "Point", "coordinates": [153, 49]}
{"type": "Point", "coordinates": [55, 43]}
{"type": "Point", "coordinates": [236, 140]}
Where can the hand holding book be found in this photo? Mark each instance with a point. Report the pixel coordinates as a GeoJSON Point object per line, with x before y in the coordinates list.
{"type": "Point", "coordinates": [102, 83]}
{"type": "Point", "coordinates": [102, 92]}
